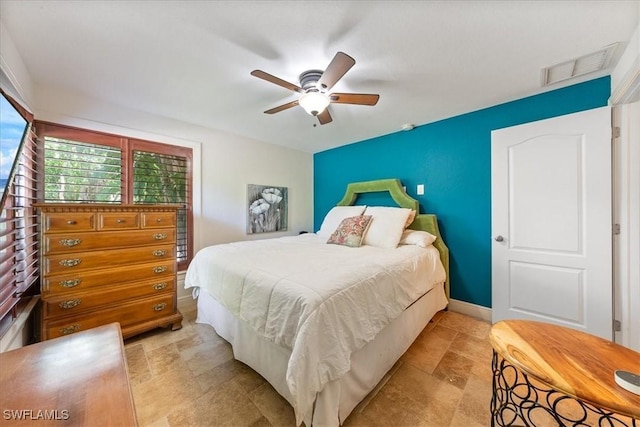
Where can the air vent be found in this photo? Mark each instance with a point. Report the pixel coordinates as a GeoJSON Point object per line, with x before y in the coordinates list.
{"type": "Point", "coordinates": [586, 64]}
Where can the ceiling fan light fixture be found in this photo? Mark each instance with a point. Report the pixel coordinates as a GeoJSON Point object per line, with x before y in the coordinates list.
{"type": "Point", "coordinates": [314, 103]}
{"type": "Point", "coordinates": [315, 86]}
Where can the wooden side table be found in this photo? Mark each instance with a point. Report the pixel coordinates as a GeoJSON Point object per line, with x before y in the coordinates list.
{"type": "Point", "coordinates": [548, 375]}
{"type": "Point", "coordinates": [75, 380]}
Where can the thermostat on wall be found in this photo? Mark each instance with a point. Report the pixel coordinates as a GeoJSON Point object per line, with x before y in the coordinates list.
{"type": "Point", "coordinates": [628, 381]}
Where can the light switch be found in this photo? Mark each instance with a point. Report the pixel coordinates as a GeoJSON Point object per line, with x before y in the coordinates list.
{"type": "Point", "coordinates": [420, 189]}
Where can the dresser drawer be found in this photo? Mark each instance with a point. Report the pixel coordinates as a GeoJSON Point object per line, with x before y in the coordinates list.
{"type": "Point", "coordinates": [118, 221]}
{"type": "Point", "coordinates": [55, 222]}
{"type": "Point", "coordinates": [59, 263]}
{"type": "Point", "coordinates": [158, 219]}
{"type": "Point", "coordinates": [102, 263]}
{"type": "Point", "coordinates": [83, 301]}
{"type": "Point", "coordinates": [89, 241]}
{"type": "Point", "coordinates": [126, 314]}
{"type": "Point", "coordinates": [75, 281]}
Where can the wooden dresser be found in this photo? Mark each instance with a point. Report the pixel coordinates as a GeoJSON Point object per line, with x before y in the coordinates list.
{"type": "Point", "coordinates": [104, 263]}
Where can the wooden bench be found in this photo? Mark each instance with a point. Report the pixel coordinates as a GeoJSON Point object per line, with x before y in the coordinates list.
{"type": "Point", "coordinates": [75, 380]}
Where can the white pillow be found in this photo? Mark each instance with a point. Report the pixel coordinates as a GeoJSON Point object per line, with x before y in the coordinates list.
{"type": "Point", "coordinates": [418, 238]}
{"type": "Point", "coordinates": [335, 216]}
{"type": "Point", "coordinates": [386, 226]}
{"type": "Point", "coordinates": [410, 218]}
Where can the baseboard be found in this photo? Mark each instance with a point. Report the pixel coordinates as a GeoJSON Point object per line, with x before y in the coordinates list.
{"type": "Point", "coordinates": [473, 310]}
{"type": "Point", "coordinates": [184, 299]}
{"type": "Point", "coordinates": [18, 333]}
{"type": "Point", "coordinates": [183, 294]}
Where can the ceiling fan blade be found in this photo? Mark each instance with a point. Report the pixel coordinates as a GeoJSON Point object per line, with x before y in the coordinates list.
{"type": "Point", "coordinates": [324, 117]}
{"type": "Point", "coordinates": [282, 107]}
{"type": "Point", "coordinates": [340, 64]}
{"type": "Point", "coordinates": [354, 98]}
{"type": "Point", "coordinates": [273, 79]}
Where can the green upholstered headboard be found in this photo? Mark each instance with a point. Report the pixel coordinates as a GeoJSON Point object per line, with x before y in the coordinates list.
{"type": "Point", "coordinates": [393, 186]}
{"type": "Point", "coordinates": [425, 222]}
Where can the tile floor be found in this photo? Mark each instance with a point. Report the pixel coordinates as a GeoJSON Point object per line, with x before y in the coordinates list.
{"type": "Point", "coordinates": [189, 378]}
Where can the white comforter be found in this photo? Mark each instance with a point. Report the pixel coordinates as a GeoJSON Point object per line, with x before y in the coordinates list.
{"type": "Point", "coordinates": [320, 301]}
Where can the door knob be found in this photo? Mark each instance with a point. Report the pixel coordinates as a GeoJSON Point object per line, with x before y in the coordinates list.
{"type": "Point", "coordinates": [499, 239]}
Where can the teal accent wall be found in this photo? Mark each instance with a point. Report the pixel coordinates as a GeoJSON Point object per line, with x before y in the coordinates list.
{"type": "Point", "coordinates": [452, 158]}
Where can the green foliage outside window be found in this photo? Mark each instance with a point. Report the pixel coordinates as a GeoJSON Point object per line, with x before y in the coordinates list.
{"type": "Point", "coordinates": [159, 178]}
{"type": "Point", "coordinates": [80, 172]}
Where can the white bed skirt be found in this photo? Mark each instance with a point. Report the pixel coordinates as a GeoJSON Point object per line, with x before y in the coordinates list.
{"type": "Point", "coordinates": [368, 365]}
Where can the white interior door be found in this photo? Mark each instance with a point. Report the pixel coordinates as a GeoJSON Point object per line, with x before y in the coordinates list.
{"type": "Point", "coordinates": [551, 222]}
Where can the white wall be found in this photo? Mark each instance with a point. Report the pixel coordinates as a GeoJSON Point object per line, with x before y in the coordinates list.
{"type": "Point", "coordinates": [14, 77]}
{"type": "Point", "coordinates": [625, 78]}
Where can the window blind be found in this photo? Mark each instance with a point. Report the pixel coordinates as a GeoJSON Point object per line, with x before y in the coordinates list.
{"type": "Point", "coordinates": [80, 172]}
{"type": "Point", "coordinates": [19, 264]}
{"type": "Point", "coordinates": [163, 178]}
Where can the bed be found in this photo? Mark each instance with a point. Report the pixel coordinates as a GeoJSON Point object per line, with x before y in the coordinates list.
{"type": "Point", "coordinates": [323, 323]}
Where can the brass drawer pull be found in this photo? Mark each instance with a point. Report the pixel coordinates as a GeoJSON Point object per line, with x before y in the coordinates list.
{"type": "Point", "coordinates": [70, 242]}
{"type": "Point", "coordinates": [69, 329]}
{"type": "Point", "coordinates": [160, 286]}
{"type": "Point", "coordinates": [69, 304]}
{"type": "Point", "coordinates": [160, 236]}
{"type": "Point", "coordinates": [159, 307]}
{"type": "Point", "coordinates": [158, 219]}
{"type": "Point", "coordinates": [70, 283]}
{"type": "Point", "coordinates": [70, 262]}
{"type": "Point", "coordinates": [159, 252]}
{"type": "Point", "coordinates": [72, 222]}
{"type": "Point", "coordinates": [121, 221]}
{"type": "Point", "coordinates": [159, 269]}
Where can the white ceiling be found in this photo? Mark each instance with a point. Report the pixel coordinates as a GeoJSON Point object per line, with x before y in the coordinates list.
{"type": "Point", "coordinates": [190, 60]}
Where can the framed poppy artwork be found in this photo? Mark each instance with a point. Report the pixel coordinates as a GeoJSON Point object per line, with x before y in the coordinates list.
{"type": "Point", "coordinates": [266, 209]}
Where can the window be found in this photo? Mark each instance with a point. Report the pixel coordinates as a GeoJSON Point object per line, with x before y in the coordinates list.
{"type": "Point", "coordinates": [91, 167]}
{"type": "Point", "coordinates": [19, 267]}
{"type": "Point", "coordinates": [162, 178]}
{"type": "Point", "coordinates": [78, 172]}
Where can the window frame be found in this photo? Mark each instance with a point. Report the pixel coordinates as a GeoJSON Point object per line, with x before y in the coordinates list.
{"type": "Point", "coordinates": [127, 146]}
{"type": "Point", "coordinates": [20, 220]}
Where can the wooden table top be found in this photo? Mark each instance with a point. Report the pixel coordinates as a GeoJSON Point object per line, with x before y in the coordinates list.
{"type": "Point", "coordinates": [75, 380]}
{"type": "Point", "coordinates": [572, 362]}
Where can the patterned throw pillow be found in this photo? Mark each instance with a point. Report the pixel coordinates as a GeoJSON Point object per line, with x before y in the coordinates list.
{"type": "Point", "coordinates": [351, 231]}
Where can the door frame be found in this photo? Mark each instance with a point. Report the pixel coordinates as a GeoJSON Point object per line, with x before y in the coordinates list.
{"type": "Point", "coordinates": [626, 214]}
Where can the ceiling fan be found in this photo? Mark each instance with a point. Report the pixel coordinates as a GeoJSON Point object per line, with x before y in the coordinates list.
{"type": "Point", "coordinates": [314, 87]}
